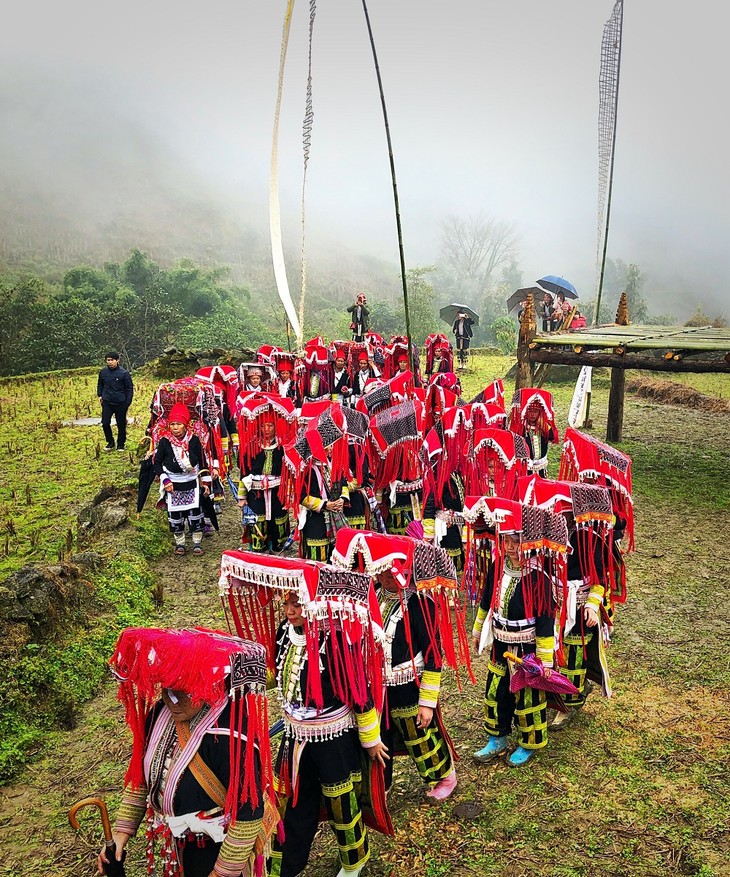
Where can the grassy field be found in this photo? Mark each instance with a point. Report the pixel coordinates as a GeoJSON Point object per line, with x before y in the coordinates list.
{"type": "Point", "coordinates": [635, 786]}
{"type": "Point", "coordinates": [53, 467]}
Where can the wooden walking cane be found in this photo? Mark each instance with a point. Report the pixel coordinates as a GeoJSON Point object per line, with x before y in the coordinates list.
{"type": "Point", "coordinates": [114, 868]}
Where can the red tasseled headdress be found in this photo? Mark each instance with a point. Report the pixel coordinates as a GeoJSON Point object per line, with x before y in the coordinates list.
{"type": "Point", "coordinates": [488, 414]}
{"type": "Point", "coordinates": [396, 438]}
{"type": "Point", "coordinates": [211, 667]}
{"type": "Point", "coordinates": [418, 567]}
{"type": "Point", "coordinates": [332, 599]}
{"type": "Point", "coordinates": [592, 511]}
{"type": "Point", "coordinates": [543, 545]}
{"type": "Point", "coordinates": [522, 401]}
{"type": "Point", "coordinates": [588, 459]}
{"type": "Point", "coordinates": [498, 458]}
{"type": "Point", "coordinates": [256, 409]}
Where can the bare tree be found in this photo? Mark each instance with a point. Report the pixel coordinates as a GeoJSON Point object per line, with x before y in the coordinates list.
{"type": "Point", "coordinates": [477, 247]}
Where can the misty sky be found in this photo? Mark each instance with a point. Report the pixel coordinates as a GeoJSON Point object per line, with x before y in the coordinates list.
{"type": "Point", "coordinates": [493, 108]}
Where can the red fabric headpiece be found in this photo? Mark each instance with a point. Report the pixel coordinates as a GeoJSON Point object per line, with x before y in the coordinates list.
{"type": "Point", "coordinates": [418, 567]}
{"type": "Point", "coordinates": [211, 667]}
{"type": "Point", "coordinates": [333, 600]}
{"type": "Point", "coordinates": [179, 413]}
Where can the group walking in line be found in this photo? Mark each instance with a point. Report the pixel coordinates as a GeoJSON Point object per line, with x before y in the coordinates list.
{"type": "Point", "coordinates": [376, 505]}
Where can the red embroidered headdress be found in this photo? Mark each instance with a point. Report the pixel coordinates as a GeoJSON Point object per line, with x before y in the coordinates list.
{"type": "Point", "coordinates": [497, 459]}
{"type": "Point", "coordinates": [543, 544]}
{"type": "Point", "coordinates": [591, 508]}
{"type": "Point", "coordinates": [586, 458]}
{"type": "Point", "coordinates": [212, 668]}
{"type": "Point", "coordinates": [203, 409]}
{"type": "Point", "coordinates": [523, 400]}
{"type": "Point", "coordinates": [421, 568]}
{"type": "Point", "coordinates": [256, 409]}
{"type": "Point", "coordinates": [332, 599]}
{"type": "Point", "coordinates": [396, 437]}
{"type": "Point", "coordinates": [323, 442]}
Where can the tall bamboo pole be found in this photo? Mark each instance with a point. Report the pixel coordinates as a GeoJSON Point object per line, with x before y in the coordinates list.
{"type": "Point", "coordinates": [395, 185]}
{"type": "Point", "coordinates": [610, 175]}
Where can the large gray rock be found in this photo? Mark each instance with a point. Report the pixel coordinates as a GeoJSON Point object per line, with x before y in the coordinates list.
{"type": "Point", "coordinates": [109, 510]}
{"type": "Point", "coordinates": [34, 595]}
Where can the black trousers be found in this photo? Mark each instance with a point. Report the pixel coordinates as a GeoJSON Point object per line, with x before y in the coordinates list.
{"type": "Point", "coordinates": [119, 411]}
{"type": "Point", "coordinates": [199, 861]}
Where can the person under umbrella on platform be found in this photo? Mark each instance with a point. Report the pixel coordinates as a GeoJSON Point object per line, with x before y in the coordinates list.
{"type": "Point", "coordinates": [200, 773]}
{"type": "Point", "coordinates": [181, 466]}
{"type": "Point", "coordinates": [463, 334]}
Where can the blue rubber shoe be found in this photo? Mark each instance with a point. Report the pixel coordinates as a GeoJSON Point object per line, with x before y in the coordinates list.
{"type": "Point", "coordinates": [520, 756]}
{"type": "Point", "coordinates": [497, 746]}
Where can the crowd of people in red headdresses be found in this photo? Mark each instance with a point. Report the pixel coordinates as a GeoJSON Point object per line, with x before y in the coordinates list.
{"type": "Point", "coordinates": [377, 503]}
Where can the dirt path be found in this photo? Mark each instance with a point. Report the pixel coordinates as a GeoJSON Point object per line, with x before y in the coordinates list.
{"type": "Point", "coordinates": [636, 785]}
{"type": "Point", "coordinates": [91, 759]}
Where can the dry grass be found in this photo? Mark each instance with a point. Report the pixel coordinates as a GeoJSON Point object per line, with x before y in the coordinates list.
{"type": "Point", "coordinates": [674, 393]}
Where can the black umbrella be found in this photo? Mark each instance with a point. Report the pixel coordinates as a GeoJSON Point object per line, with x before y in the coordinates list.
{"type": "Point", "coordinates": [208, 508]}
{"type": "Point", "coordinates": [449, 313]}
{"type": "Point", "coordinates": [145, 482]}
{"type": "Point", "coordinates": [521, 294]}
{"type": "Point", "coordinates": [113, 868]}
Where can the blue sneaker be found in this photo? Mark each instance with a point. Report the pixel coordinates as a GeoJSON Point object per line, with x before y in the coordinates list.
{"type": "Point", "coordinates": [520, 756]}
{"type": "Point", "coordinates": [497, 746]}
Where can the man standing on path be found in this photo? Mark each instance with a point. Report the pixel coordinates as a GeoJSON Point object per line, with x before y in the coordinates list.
{"type": "Point", "coordinates": [115, 390]}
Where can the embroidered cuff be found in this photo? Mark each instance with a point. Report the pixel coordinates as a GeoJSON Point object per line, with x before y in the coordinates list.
{"type": "Point", "coordinates": [479, 621]}
{"type": "Point", "coordinates": [313, 503]}
{"type": "Point", "coordinates": [429, 528]}
{"type": "Point", "coordinates": [544, 648]}
{"type": "Point", "coordinates": [237, 847]}
{"type": "Point", "coordinates": [368, 728]}
{"type": "Point", "coordinates": [428, 694]}
{"type": "Point", "coordinates": [132, 809]}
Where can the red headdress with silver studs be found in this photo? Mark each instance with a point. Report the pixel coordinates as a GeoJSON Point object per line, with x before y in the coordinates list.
{"type": "Point", "coordinates": [421, 568]}
{"type": "Point", "coordinates": [212, 668]}
{"type": "Point", "coordinates": [332, 600]}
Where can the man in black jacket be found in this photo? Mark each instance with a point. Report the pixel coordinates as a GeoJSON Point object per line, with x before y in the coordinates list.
{"type": "Point", "coordinates": [115, 390]}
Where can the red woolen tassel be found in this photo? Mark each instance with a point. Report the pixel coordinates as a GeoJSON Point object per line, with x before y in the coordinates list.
{"type": "Point", "coordinates": [250, 786]}
{"type": "Point", "coordinates": [314, 680]}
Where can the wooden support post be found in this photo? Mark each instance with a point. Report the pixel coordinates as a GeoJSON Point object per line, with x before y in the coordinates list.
{"type": "Point", "coordinates": [615, 425]}
{"type": "Point", "coordinates": [528, 330]}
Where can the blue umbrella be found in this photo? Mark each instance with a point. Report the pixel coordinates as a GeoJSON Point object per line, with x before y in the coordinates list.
{"type": "Point", "coordinates": [558, 284]}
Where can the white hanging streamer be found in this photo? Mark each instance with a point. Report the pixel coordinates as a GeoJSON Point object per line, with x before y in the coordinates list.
{"type": "Point", "coordinates": [277, 249]}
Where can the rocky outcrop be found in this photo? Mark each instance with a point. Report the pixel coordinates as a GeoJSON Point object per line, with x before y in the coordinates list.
{"type": "Point", "coordinates": [177, 363]}
{"type": "Point", "coordinates": [108, 511]}
{"type": "Point", "coordinates": [43, 597]}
